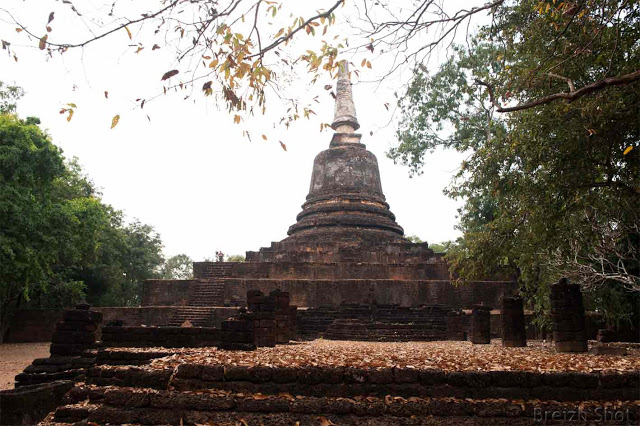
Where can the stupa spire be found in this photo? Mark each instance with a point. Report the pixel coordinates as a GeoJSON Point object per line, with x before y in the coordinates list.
{"type": "Point", "coordinates": [345, 120]}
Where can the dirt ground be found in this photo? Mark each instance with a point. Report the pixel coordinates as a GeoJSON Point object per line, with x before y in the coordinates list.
{"type": "Point", "coordinates": [14, 357]}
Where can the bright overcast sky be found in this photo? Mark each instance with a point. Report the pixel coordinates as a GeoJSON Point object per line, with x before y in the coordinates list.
{"type": "Point", "coordinates": [189, 172]}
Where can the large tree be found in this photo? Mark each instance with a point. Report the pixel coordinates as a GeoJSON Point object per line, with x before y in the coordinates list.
{"type": "Point", "coordinates": [545, 102]}
{"type": "Point", "coordinates": [58, 241]}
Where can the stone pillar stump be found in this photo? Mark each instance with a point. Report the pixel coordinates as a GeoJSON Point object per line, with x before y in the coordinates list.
{"type": "Point", "coordinates": [512, 322]}
{"type": "Point", "coordinates": [481, 325]}
{"type": "Point", "coordinates": [567, 313]}
{"type": "Point", "coordinates": [455, 330]}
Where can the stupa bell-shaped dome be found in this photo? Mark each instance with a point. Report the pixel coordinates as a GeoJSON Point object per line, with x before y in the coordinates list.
{"type": "Point", "coordinates": [345, 201]}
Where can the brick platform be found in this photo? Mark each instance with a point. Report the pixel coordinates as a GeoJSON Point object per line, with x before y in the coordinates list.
{"type": "Point", "coordinates": [385, 323]}
{"type": "Point", "coordinates": [196, 394]}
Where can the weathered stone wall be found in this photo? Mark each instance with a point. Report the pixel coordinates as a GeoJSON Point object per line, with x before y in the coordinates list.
{"type": "Point", "coordinates": [33, 325]}
{"type": "Point", "coordinates": [375, 323]}
{"type": "Point", "coordinates": [407, 382]}
{"type": "Point", "coordinates": [322, 271]}
{"type": "Point", "coordinates": [166, 337]}
{"type": "Point", "coordinates": [333, 252]}
{"type": "Point", "coordinates": [132, 316]}
{"type": "Point", "coordinates": [28, 405]}
{"type": "Point", "coordinates": [317, 293]}
{"type": "Point", "coordinates": [158, 315]}
{"type": "Point", "coordinates": [167, 292]}
{"type": "Point", "coordinates": [37, 325]}
{"type": "Point", "coordinates": [73, 336]}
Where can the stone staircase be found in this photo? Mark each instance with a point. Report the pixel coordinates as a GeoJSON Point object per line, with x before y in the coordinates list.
{"type": "Point", "coordinates": [373, 323]}
{"type": "Point", "coordinates": [207, 270]}
{"type": "Point", "coordinates": [204, 393]}
{"type": "Point", "coordinates": [208, 293]}
{"type": "Point", "coordinates": [199, 316]}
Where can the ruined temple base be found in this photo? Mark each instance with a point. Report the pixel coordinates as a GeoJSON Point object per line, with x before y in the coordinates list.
{"type": "Point", "coordinates": [319, 382]}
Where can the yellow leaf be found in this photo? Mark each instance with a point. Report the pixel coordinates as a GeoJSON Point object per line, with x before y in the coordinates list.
{"type": "Point", "coordinates": [236, 119]}
{"type": "Point", "coordinates": [283, 145]}
{"type": "Point", "coordinates": [627, 150]}
{"type": "Point", "coordinates": [128, 32]}
{"type": "Point", "coordinates": [169, 74]}
{"type": "Point", "coordinates": [70, 115]}
{"type": "Point", "coordinates": [18, 30]}
{"type": "Point", "coordinates": [115, 121]}
{"type": "Point", "coordinates": [264, 137]}
{"type": "Point", "coordinates": [43, 42]}
{"type": "Point", "coordinates": [364, 63]}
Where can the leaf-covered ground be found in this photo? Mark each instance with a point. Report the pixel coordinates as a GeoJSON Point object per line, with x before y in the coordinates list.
{"type": "Point", "coordinates": [458, 356]}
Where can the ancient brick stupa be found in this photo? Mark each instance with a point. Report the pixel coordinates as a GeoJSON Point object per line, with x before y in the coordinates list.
{"type": "Point", "coordinates": [345, 247]}
{"type": "Point", "coordinates": [345, 202]}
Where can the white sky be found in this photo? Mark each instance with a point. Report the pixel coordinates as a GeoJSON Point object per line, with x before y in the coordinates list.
{"type": "Point", "coordinates": [189, 172]}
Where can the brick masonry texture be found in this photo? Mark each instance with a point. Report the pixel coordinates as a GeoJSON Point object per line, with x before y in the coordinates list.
{"type": "Point", "coordinates": [568, 317]}
{"type": "Point", "coordinates": [167, 337]}
{"type": "Point", "coordinates": [405, 382]}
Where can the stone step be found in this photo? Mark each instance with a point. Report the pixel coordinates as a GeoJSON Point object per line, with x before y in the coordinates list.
{"type": "Point", "coordinates": [228, 394]}
{"type": "Point", "coordinates": [197, 315]}
{"type": "Point", "coordinates": [214, 406]}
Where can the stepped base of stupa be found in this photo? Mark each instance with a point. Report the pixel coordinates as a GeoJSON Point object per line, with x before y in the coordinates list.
{"type": "Point", "coordinates": [329, 274]}
{"type": "Point", "coordinates": [350, 384]}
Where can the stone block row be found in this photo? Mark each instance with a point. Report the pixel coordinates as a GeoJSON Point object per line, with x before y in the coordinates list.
{"type": "Point", "coordinates": [127, 357]}
{"type": "Point", "coordinates": [408, 382]}
{"type": "Point", "coordinates": [331, 322]}
{"type": "Point", "coordinates": [270, 320]}
{"type": "Point", "coordinates": [71, 349]}
{"type": "Point", "coordinates": [168, 337]}
{"type": "Point", "coordinates": [140, 406]}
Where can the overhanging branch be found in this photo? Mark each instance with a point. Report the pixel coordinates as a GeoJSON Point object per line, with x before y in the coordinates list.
{"type": "Point", "coordinates": [567, 96]}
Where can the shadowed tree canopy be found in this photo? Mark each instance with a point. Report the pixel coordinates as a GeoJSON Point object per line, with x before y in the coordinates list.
{"type": "Point", "coordinates": [58, 241]}
{"type": "Point", "coordinates": [551, 184]}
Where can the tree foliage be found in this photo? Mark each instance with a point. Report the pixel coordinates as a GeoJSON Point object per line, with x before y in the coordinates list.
{"type": "Point", "coordinates": [58, 241]}
{"type": "Point", "coordinates": [235, 258]}
{"type": "Point", "coordinates": [551, 188]}
{"type": "Point", "coordinates": [178, 267]}
{"type": "Point", "coordinates": [245, 52]}
{"type": "Point", "coordinates": [9, 95]}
